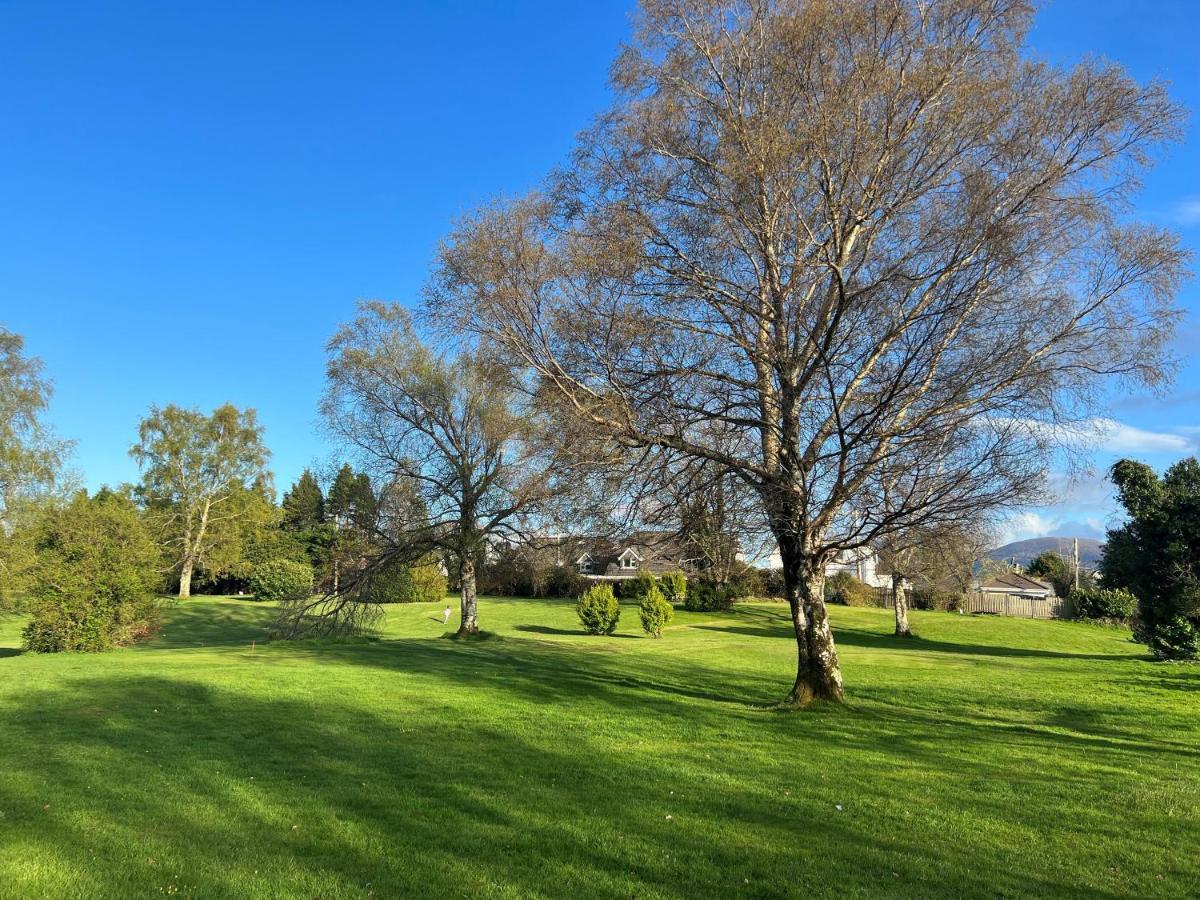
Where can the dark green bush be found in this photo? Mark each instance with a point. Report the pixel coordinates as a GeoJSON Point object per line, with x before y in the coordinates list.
{"type": "Point", "coordinates": [747, 582]}
{"type": "Point", "coordinates": [1101, 603]}
{"type": "Point", "coordinates": [281, 579]}
{"type": "Point", "coordinates": [93, 578]}
{"type": "Point", "coordinates": [773, 584]}
{"type": "Point", "coordinates": [674, 587]}
{"type": "Point", "coordinates": [632, 588]}
{"type": "Point", "coordinates": [655, 612]}
{"type": "Point", "coordinates": [1175, 638]}
{"type": "Point", "coordinates": [598, 610]}
{"type": "Point", "coordinates": [708, 596]}
{"type": "Point", "coordinates": [637, 587]}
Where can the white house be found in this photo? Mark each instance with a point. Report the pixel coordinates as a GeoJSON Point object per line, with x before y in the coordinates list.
{"type": "Point", "coordinates": [862, 563]}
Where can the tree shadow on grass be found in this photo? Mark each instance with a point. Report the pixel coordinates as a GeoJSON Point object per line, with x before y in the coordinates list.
{"type": "Point", "coordinates": [858, 637]}
{"type": "Point", "coordinates": [573, 632]}
{"type": "Point", "coordinates": [9, 651]}
{"type": "Point", "coordinates": [200, 624]}
{"type": "Point", "coordinates": [763, 623]}
{"type": "Point", "coordinates": [132, 780]}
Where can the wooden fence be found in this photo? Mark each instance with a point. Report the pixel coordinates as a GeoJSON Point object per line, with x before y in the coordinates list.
{"type": "Point", "coordinates": [994, 604]}
{"type": "Point", "coordinates": [1015, 605]}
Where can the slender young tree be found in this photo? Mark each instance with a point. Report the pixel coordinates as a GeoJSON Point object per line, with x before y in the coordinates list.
{"type": "Point", "coordinates": [463, 465]}
{"type": "Point", "coordinates": [836, 248]}
{"type": "Point", "coordinates": [30, 456]}
{"type": "Point", "coordinates": [194, 468]}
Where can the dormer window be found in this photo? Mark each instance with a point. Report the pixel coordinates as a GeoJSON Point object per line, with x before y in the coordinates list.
{"type": "Point", "coordinates": [629, 559]}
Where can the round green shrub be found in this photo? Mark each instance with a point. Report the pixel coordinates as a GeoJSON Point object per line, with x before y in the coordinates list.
{"type": "Point", "coordinates": [1101, 603]}
{"type": "Point", "coordinates": [281, 579]}
{"type": "Point", "coordinates": [655, 612]}
{"type": "Point", "coordinates": [674, 587]}
{"type": "Point", "coordinates": [598, 610]}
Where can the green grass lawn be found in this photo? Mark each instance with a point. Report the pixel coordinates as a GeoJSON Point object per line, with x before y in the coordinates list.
{"type": "Point", "coordinates": [991, 758]}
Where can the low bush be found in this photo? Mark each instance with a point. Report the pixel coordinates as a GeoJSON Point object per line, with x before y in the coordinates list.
{"type": "Point", "coordinates": [598, 610]}
{"type": "Point", "coordinates": [674, 587]}
{"type": "Point", "coordinates": [844, 588]}
{"type": "Point", "coordinates": [708, 596]}
{"type": "Point", "coordinates": [929, 598]}
{"type": "Point", "coordinates": [747, 582]}
{"type": "Point", "coordinates": [281, 579]}
{"type": "Point", "coordinates": [1101, 603]}
{"type": "Point", "coordinates": [1175, 639]}
{"type": "Point", "coordinates": [424, 582]}
{"type": "Point", "coordinates": [773, 584]}
{"type": "Point", "coordinates": [655, 612]}
{"type": "Point", "coordinates": [636, 588]}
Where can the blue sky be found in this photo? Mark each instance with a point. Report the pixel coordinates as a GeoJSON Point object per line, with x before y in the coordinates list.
{"type": "Point", "coordinates": [194, 195]}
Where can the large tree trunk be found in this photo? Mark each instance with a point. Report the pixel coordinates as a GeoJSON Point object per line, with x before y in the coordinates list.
{"type": "Point", "coordinates": [818, 674]}
{"type": "Point", "coordinates": [470, 611]}
{"type": "Point", "coordinates": [900, 602]}
{"type": "Point", "coordinates": [185, 577]}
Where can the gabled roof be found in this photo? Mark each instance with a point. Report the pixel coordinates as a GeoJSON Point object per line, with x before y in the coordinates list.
{"type": "Point", "coordinates": [1015, 581]}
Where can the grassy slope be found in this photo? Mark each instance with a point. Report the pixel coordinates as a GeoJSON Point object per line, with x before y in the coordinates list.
{"type": "Point", "coordinates": [992, 757]}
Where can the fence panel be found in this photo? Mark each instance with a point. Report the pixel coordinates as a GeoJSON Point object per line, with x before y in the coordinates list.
{"type": "Point", "coordinates": [1015, 605]}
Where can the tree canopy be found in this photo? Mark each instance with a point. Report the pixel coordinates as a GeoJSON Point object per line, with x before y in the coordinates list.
{"type": "Point", "coordinates": [842, 251]}
{"type": "Point", "coordinates": [461, 463]}
{"type": "Point", "coordinates": [30, 455]}
{"type": "Point", "coordinates": [1156, 554]}
{"type": "Point", "coordinates": [195, 467]}
{"type": "Point", "coordinates": [304, 504]}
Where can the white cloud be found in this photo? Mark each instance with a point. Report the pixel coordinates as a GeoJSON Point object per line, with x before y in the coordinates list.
{"type": "Point", "coordinates": [1120, 437]}
{"type": "Point", "coordinates": [1022, 526]}
{"type": "Point", "coordinates": [1187, 211]}
{"type": "Point", "coordinates": [1032, 524]}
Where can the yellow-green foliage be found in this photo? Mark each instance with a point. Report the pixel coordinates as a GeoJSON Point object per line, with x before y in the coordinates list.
{"type": "Point", "coordinates": [598, 610]}
{"type": "Point", "coordinates": [655, 612]}
{"type": "Point", "coordinates": [93, 578]}
{"type": "Point", "coordinates": [424, 582]}
{"type": "Point", "coordinates": [281, 579]}
{"type": "Point", "coordinates": [842, 587]}
{"type": "Point", "coordinates": [674, 587]}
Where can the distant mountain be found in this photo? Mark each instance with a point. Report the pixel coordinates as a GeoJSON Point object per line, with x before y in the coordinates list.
{"type": "Point", "coordinates": [1024, 551]}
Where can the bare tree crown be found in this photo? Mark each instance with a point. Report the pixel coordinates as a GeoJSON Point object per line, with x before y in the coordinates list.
{"type": "Point", "coordinates": [871, 243]}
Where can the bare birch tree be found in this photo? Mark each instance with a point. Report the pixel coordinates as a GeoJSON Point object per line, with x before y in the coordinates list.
{"type": "Point", "coordinates": [464, 464]}
{"type": "Point", "coordinates": [823, 243]}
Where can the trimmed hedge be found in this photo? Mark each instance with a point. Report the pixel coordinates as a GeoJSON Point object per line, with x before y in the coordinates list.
{"type": "Point", "coordinates": [422, 583]}
{"type": "Point", "coordinates": [844, 588]}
